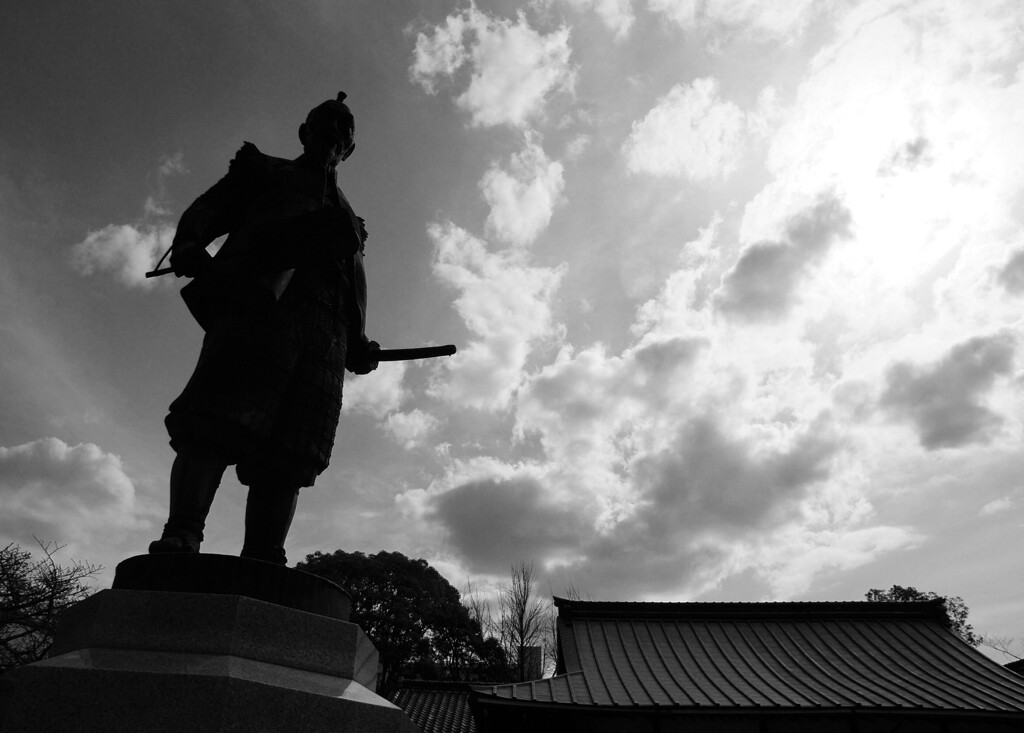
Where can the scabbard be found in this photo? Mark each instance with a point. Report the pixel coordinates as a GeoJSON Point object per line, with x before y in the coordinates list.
{"type": "Point", "coordinates": [423, 352]}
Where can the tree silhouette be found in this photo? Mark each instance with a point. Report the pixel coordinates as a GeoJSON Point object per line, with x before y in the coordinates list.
{"type": "Point", "coordinates": [956, 609]}
{"type": "Point", "coordinates": [413, 616]}
{"type": "Point", "coordinates": [32, 595]}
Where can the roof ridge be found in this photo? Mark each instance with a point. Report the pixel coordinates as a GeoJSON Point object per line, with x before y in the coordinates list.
{"type": "Point", "coordinates": [933, 609]}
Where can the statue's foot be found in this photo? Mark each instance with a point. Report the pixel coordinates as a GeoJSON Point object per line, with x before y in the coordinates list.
{"type": "Point", "coordinates": [173, 543]}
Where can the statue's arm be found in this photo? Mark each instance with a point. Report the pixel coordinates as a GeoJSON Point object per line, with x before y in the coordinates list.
{"type": "Point", "coordinates": [361, 351]}
{"type": "Point", "coordinates": [215, 212]}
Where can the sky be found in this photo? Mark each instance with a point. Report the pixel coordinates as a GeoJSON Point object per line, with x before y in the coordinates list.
{"type": "Point", "coordinates": [736, 286]}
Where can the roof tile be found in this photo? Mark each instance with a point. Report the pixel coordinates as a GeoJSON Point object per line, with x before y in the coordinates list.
{"type": "Point", "coordinates": [436, 707]}
{"type": "Point", "coordinates": [783, 656]}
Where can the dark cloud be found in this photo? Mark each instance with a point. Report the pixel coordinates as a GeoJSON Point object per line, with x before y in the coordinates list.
{"type": "Point", "coordinates": [762, 285]}
{"type": "Point", "coordinates": [710, 480]}
{"type": "Point", "coordinates": [943, 401]}
{"type": "Point", "coordinates": [492, 523]}
{"type": "Point", "coordinates": [910, 155]}
{"type": "Point", "coordinates": [661, 358]}
{"type": "Point", "coordinates": [705, 485]}
{"type": "Point", "coordinates": [1012, 275]}
{"type": "Point", "coordinates": [575, 391]}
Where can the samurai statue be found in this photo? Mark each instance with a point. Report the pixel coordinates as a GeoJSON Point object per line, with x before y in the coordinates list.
{"type": "Point", "coordinates": [283, 307]}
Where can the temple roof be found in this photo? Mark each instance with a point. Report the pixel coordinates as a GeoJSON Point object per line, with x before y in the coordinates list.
{"type": "Point", "coordinates": [756, 656]}
{"type": "Point", "coordinates": [436, 707]}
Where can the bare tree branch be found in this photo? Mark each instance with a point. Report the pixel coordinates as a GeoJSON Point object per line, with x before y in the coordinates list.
{"type": "Point", "coordinates": [523, 623]}
{"type": "Point", "coordinates": [33, 593]}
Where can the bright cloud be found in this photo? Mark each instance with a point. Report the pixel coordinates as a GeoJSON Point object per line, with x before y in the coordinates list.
{"type": "Point", "coordinates": [410, 429]}
{"type": "Point", "coordinates": [663, 453]}
{"type": "Point", "coordinates": [126, 250]}
{"type": "Point", "coordinates": [439, 54]}
{"type": "Point", "coordinates": [692, 132]}
{"type": "Point", "coordinates": [504, 302]}
{"type": "Point", "coordinates": [129, 251]}
{"type": "Point", "coordinates": [513, 68]}
{"type": "Point", "coordinates": [378, 393]}
{"type": "Point", "coordinates": [524, 196]}
{"type": "Point", "coordinates": [794, 558]}
{"type": "Point", "coordinates": [747, 425]}
{"type": "Point", "coordinates": [73, 495]}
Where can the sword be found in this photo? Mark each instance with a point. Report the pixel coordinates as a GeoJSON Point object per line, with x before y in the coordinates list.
{"type": "Point", "coordinates": [423, 352]}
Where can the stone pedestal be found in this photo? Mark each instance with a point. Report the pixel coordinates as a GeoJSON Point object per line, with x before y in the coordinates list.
{"type": "Point", "coordinates": [130, 659]}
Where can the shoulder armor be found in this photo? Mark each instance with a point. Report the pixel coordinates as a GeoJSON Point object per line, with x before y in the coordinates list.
{"type": "Point", "coordinates": [248, 160]}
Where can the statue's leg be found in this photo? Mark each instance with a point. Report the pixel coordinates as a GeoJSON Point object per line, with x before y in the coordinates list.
{"type": "Point", "coordinates": [269, 510]}
{"type": "Point", "coordinates": [195, 476]}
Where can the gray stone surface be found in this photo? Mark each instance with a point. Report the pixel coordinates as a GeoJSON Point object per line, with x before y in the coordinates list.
{"type": "Point", "coordinates": [205, 623]}
{"type": "Point", "coordinates": [60, 698]}
{"type": "Point", "coordinates": [128, 660]}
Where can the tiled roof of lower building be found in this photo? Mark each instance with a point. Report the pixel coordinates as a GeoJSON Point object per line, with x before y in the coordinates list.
{"type": "Point", "coordinates": [758, 656]}
{"type": "Point", "coordinates": [436, 707]}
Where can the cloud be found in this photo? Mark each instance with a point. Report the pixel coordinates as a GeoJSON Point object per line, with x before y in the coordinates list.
{"type": "Point", "coordinates": [691, 131]}
{"type": "Point", "coordinates": [67, 494]}
{"type": "Point", "coordinates": [513, 68]}
{"type": "Point", "coordinates": [734, 434]}
{"type": "Point", "coordinates": [763, 283]}
{"type": "Point", "coordinates": [944, 401]}
{"type": "Point", "coordinates": [410, 429]}
{"type": "Point", "coordinates": [126, 250]}
{"type": "Point", "coordinates": [1011, 276]}
{"type": "Point", "coordinates": [588, 407]}
{"type": "Point", "coordinates": [439, 54]}
{"type": "Point", "coordinates": [908, 156]}
{"type": "Point", "coordinates": [996, 506]}
{"type": "Point", "coordinates": [617, 15]}
{"type": "Point", "coordinates": [492, 522]}
{"type": "Point", "coordinates": [694, 503]}
{"type": "Point", "coordinates": [129, 251]}
{"type": "Point", "coordinates": [523, 197]}
{"type": "Point", "coordinates": [909, 115]}
{"type": "Point", "coordinates": [377, 393]}
{"type": "Point", "coordinates": [791, 560]}
{"type": "Point", "coordinates": [504, 302]}
{"type": "Point", "coordinates": [751, 19]}
{"type": "Point", "coordinates": [172, 165]}
{"type": "Point", "coordinates": [708, 481]}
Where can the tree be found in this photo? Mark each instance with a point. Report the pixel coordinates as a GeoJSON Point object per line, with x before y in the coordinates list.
{"type": "Point", "coordinates": [524, 618]}
{"type": "Point", "coordinates": [413, 616]}
{"type": "Point", "coordinates": [956, 609]}
{"type": "Point", "coordinates": [33, 593]}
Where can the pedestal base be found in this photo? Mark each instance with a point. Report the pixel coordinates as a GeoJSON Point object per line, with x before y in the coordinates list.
{"type": "Point", "coordinates": [131, 660]}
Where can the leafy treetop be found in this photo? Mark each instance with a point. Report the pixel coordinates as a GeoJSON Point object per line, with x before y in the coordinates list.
{"type": "Point", "coordinates": [411, 613]}
{"type": "Point", "coordinates": [956, 609]}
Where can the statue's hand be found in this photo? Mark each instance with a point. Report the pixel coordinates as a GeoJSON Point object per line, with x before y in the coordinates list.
{"type": "Point", "coordinates": [191, 261]}
{"type": "Point", "coordinates": [362, 356]}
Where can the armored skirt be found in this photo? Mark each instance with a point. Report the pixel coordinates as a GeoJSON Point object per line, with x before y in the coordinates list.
{"type": "Point", "coordinates": [266, 391]}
